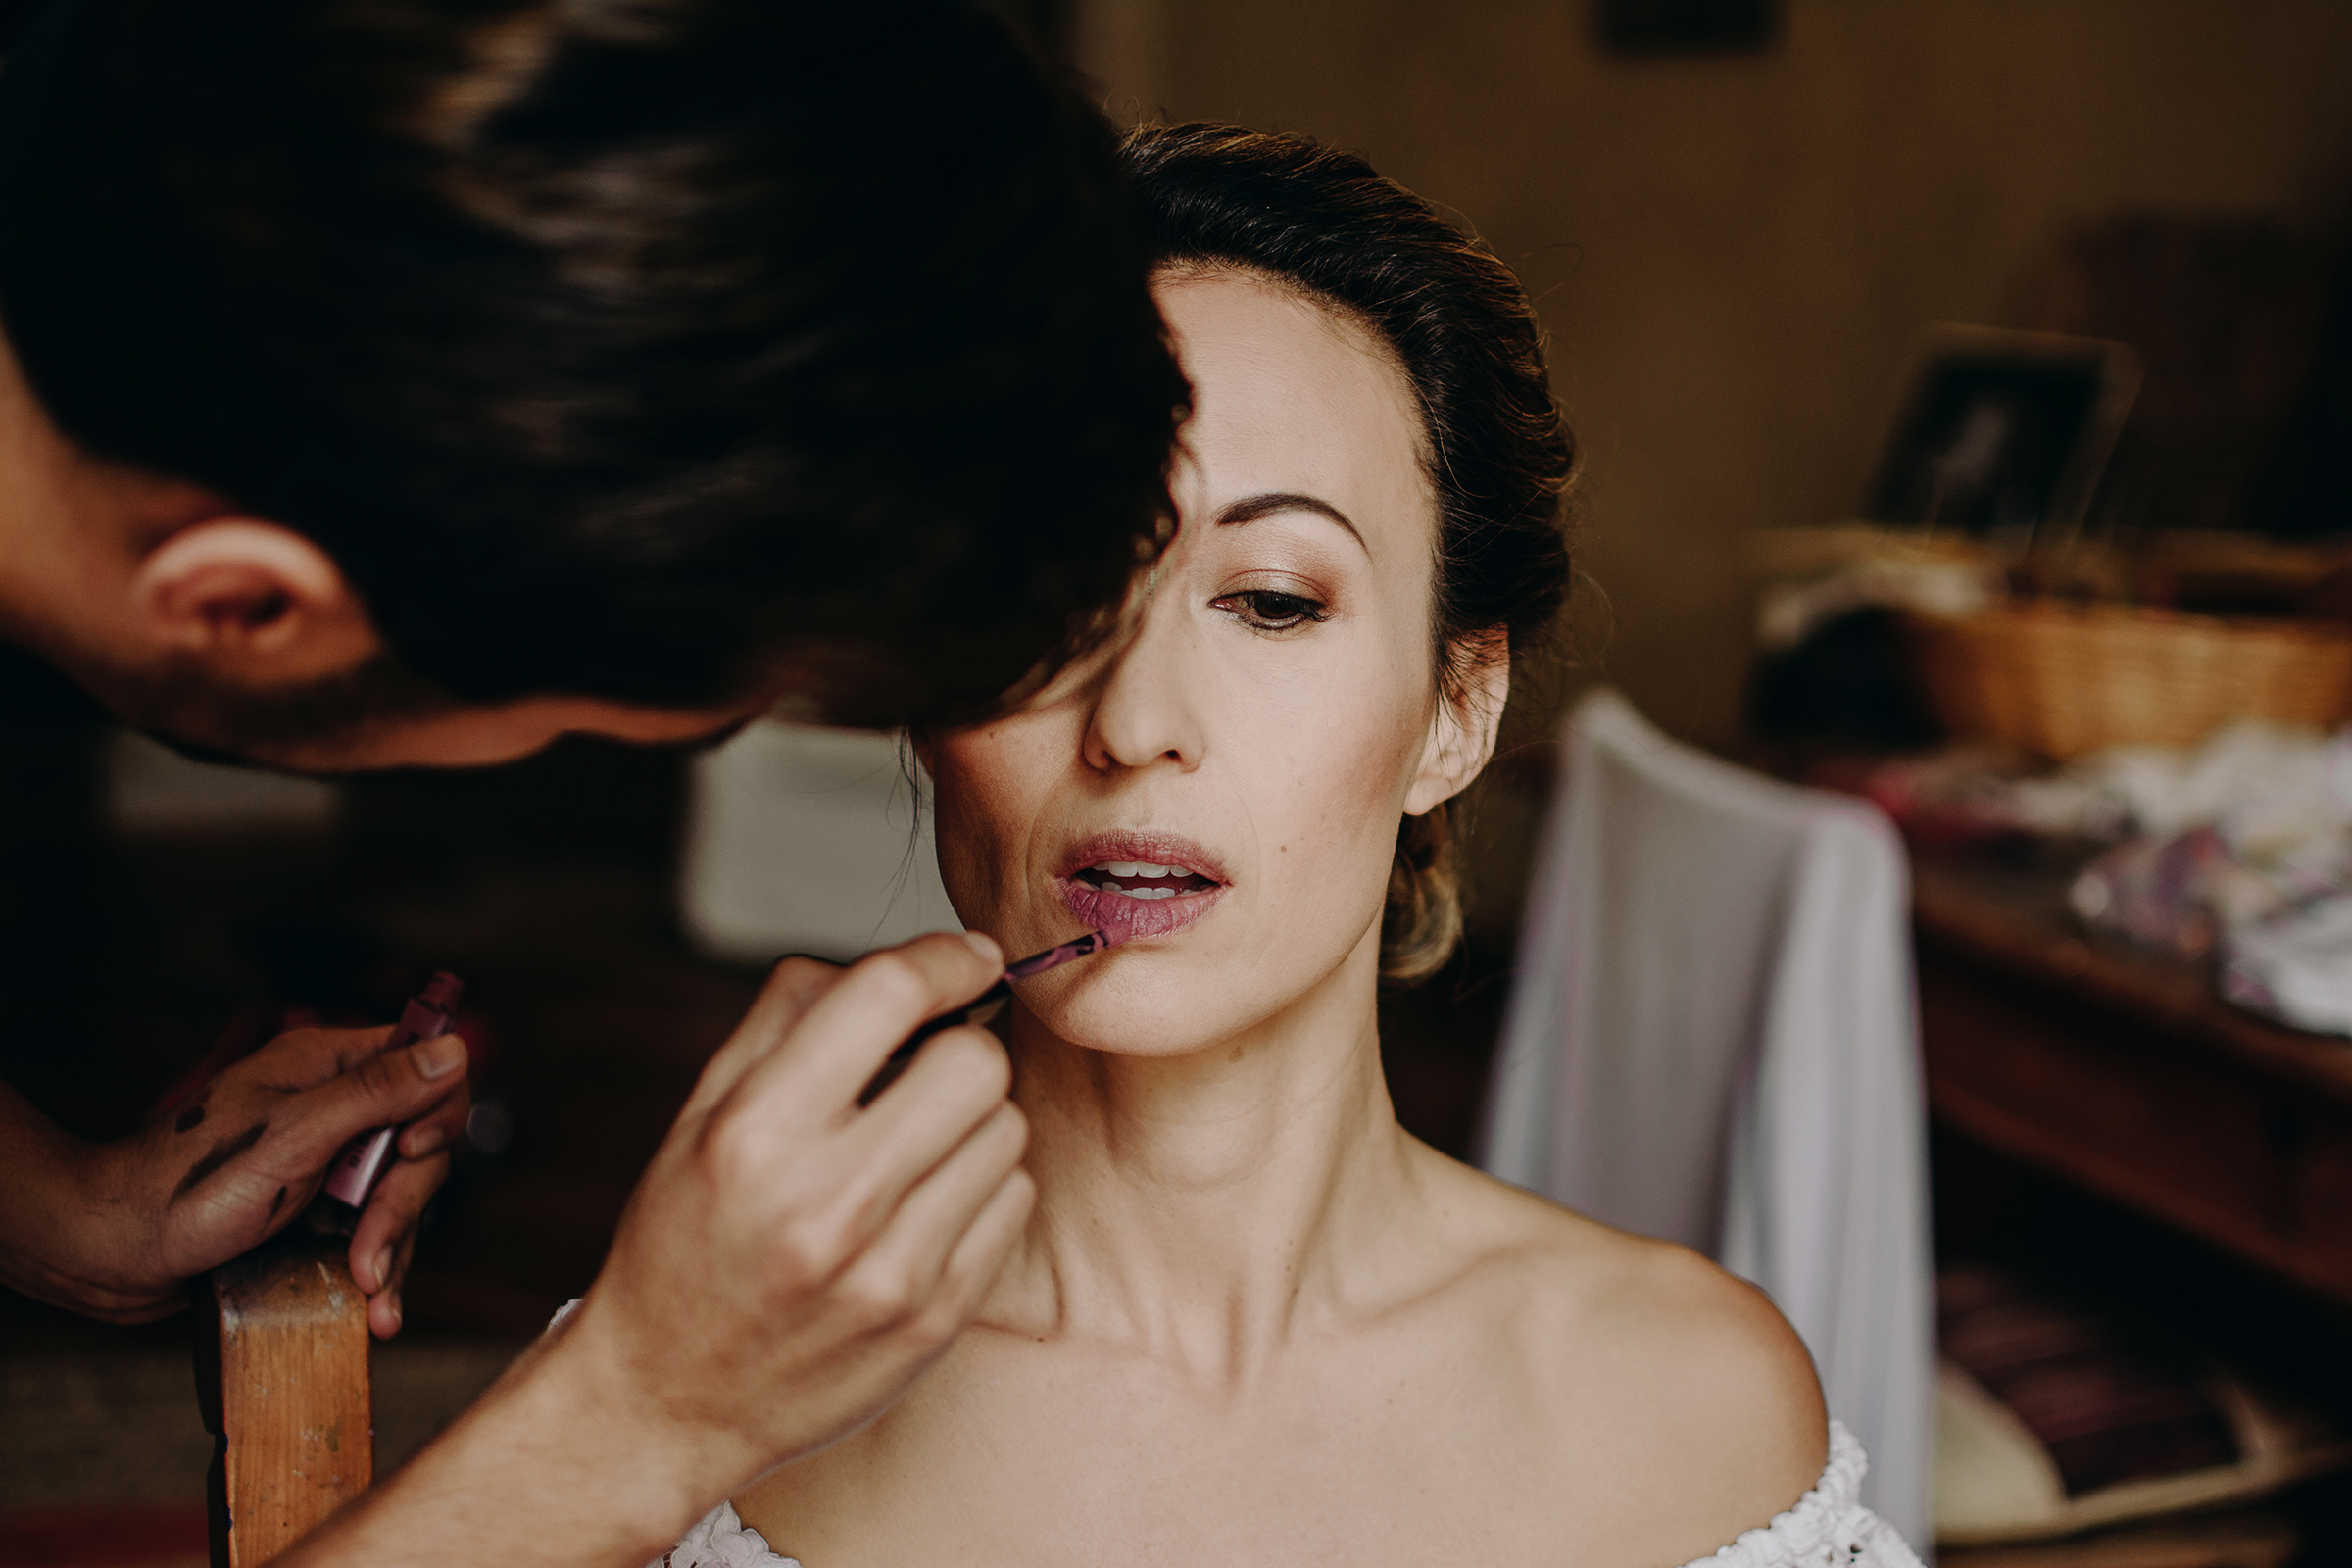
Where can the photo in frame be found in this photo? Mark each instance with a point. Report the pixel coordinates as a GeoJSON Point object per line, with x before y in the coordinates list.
{"type": "Point", "coordinates": [2001, 433]}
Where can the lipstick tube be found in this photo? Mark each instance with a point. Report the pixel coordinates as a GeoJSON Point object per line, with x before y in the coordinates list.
{"type": "Point", "coordinates": [354, 1173]}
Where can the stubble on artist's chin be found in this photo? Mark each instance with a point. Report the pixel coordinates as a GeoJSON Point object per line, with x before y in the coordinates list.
{"type": "Point", "coordinates": [320, 726]}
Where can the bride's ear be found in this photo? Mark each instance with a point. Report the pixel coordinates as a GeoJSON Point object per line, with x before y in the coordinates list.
{"type": "Point", "coordinates": [1461, 730]}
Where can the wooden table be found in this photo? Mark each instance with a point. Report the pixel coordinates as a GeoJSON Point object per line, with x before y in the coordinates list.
{"type": "Point", "coordinates": [2127, 1074]}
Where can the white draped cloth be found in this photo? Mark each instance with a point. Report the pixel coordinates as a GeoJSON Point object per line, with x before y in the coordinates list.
{"type": "Point", "coordinates": [1712, 1038]}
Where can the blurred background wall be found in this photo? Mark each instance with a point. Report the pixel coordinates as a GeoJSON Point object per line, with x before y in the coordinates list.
{"type": "Point", "coordinates": [1734, 254]}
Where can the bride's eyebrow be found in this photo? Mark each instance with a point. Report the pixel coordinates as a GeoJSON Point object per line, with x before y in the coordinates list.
{"type": "Point", "coordinates": [1250, 509]}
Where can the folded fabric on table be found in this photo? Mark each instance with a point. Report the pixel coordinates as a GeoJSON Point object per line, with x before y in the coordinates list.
{"type": "Point", "coordinates": [2295, 967]}
{"type": "Point", "coordinates": [2244, 852]}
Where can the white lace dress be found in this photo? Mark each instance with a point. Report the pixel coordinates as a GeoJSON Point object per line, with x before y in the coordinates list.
{"type": "Point", "coordinates": [1829, 1528]}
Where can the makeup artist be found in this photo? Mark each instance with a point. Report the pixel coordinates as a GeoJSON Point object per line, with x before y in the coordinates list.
{"type": "Point", "coordinates": [415, 381]}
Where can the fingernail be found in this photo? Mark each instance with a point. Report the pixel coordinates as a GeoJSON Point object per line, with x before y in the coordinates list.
{"type": "Point", "coordinates": [419, 1141]}
{"type": "Point", "coordinates": [396, 1314]}
{"type": "Point", "coordinates": [986, 946]}
{"type": "Point", "coordinates": [383, 1274]}
{"type": "Point", "coordinates": [439, 1057]}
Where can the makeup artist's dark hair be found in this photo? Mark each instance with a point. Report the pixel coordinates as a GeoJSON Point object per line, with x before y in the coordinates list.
{"type": "Point", "coordinates": [639, 349]}
{"type": "Point", "coordinates": [1499, 457]}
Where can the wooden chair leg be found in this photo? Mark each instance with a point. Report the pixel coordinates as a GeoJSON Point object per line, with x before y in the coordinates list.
{"type": "Point", "coordinates": [282, 1374]}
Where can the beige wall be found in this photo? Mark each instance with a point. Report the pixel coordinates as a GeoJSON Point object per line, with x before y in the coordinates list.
{"type": "Point", "coordinates": [1735, 255]}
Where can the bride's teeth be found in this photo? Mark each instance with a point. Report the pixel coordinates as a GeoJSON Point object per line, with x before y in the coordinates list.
{"type": "Point", "coordinates": [1120, 868]}
{"type": "Point", "coordinates": [1146, 868]}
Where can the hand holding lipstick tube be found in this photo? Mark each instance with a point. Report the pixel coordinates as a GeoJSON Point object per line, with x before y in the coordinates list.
{"type": "Point", "coordinates": [354, 1174]}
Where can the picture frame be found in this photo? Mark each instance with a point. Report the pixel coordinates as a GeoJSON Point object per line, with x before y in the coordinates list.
{"type": "Point", "coordinates": [2002, 434]}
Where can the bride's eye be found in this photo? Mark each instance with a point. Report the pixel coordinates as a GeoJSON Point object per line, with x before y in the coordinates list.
{"type": "Point", "coordinates": [1264, 610]}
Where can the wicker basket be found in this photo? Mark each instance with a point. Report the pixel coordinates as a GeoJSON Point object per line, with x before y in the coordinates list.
{"type": "Point", "coordinates": [2063, 680]}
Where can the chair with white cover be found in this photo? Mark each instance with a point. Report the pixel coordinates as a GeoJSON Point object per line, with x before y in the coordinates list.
{"type": "Point", "coordinates": [1712, 1038]}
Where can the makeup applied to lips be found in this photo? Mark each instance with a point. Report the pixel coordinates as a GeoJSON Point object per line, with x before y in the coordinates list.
{"type": "Point", "coordinates": [1136, 885]}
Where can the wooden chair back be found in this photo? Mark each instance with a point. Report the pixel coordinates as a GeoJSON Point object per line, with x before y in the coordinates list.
{"type": "Point", "coordinates": [282, 1377]}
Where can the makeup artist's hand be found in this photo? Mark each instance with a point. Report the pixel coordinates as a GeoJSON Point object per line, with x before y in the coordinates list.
{"type": "Point", "coordinates": [237, 1164]}
{"type": "Point", "coordinates": [787, 1266]}
{"type": "Point", "coordinates": [790, 1264]}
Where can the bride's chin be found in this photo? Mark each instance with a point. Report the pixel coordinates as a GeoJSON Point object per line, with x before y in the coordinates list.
{"type": "Point", "coordinates": [1155, 1045]}
{"type": "Point", "coordinates": [1145, 1033]}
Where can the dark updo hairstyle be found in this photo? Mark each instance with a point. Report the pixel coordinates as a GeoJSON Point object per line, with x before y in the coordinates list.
{"type": "Point", "coordinates": [1499, 454]}
{"type": "Point", "coordinates": [640, 349]}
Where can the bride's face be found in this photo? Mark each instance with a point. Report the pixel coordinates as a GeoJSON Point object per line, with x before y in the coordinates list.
{"type": "Point", "coordinates": [1223, 793]}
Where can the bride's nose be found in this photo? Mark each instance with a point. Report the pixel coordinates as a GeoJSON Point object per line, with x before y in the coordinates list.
{"type": "Point", "coordinates": [1147, 709]}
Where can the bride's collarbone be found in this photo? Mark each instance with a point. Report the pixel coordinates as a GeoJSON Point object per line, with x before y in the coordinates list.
{"type": "Point", "coordinates": [1120, 1469]}
{"type": "Point", "coordinates": [1573, 1392]}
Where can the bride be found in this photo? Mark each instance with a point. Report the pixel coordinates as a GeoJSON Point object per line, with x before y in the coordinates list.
{"type": "Point", "coordinates": [1251, 1319]}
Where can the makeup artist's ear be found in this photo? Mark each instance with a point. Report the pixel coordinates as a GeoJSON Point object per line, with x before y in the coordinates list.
{"type": "Point", "coordinates": [1461, 732]}
{"type": "Point", "coordinates": [250, 602]}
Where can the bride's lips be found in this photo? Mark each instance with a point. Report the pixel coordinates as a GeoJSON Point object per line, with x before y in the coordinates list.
{"type": "Point", "coordinates": [1193, 883]}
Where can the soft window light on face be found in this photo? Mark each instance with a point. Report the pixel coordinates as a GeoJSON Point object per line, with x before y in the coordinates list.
{"type": "Point", "coordinates": [1259, 738]}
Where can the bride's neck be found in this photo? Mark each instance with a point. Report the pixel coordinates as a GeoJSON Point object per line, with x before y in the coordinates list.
{"type": "Point", "coordinates": [1211, 1204]}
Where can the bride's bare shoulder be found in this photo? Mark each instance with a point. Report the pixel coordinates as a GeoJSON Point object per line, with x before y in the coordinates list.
{"type": "Point", "coordinates": [1686, 1376]}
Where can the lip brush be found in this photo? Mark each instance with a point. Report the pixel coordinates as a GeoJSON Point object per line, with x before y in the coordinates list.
{"type": "Point", "coordinates": [981, 1008]}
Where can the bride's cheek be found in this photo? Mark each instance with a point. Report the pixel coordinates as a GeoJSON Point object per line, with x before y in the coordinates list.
{"type": "Point", "coordinates": [1342, 818]}
{"type": "Point", "coordinates": [990, 791]}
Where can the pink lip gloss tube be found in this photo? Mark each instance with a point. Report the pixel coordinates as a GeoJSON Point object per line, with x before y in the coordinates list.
{"type": "Point", "coordinates": [353, 1176]}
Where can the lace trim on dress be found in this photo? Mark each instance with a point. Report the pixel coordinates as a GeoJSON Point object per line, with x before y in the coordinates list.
{"type": "Point", "coordinates": [1829, 1528]}
{"type": "Point", "coordinates": [722, 1541]}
